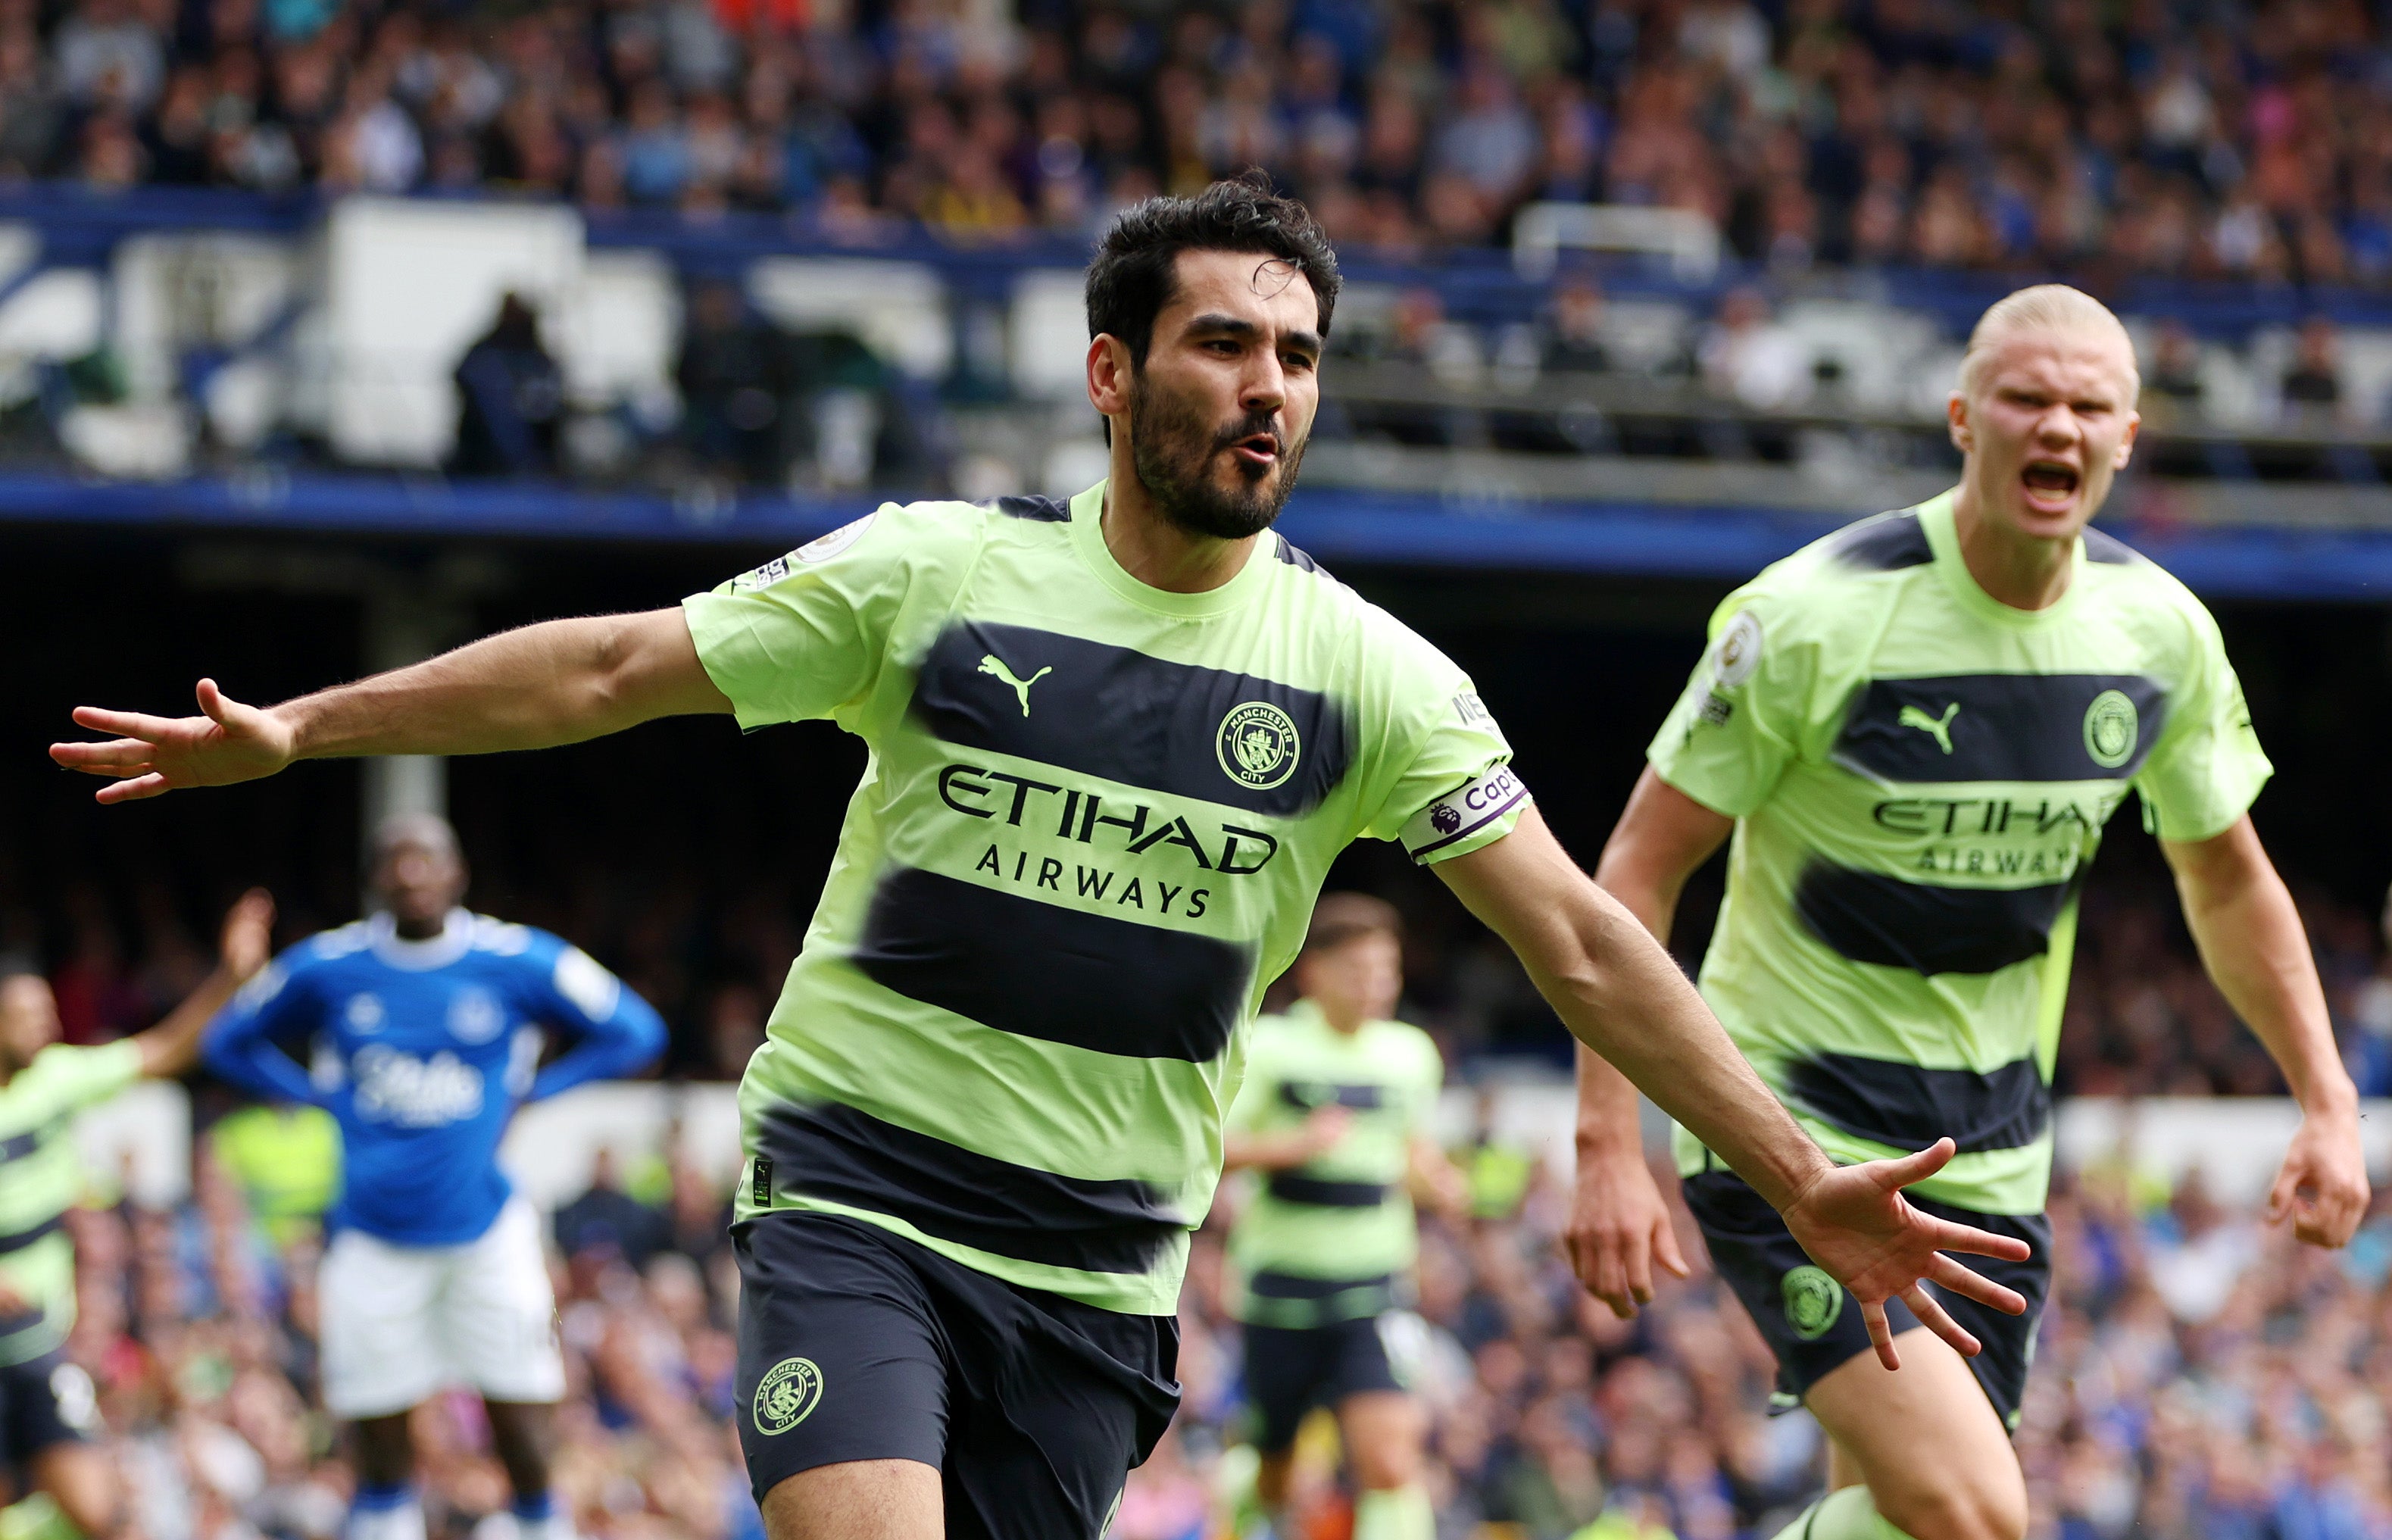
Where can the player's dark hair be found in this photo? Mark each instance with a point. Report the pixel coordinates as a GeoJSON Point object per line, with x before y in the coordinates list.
{"type": "Point", "coordinates": [1343, 917]}
{"type": "Point", "coordinates": [1136, 265]}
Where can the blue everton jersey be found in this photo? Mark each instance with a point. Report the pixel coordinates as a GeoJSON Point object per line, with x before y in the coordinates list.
{"type": "Point", "coordinates": [422, 1050]}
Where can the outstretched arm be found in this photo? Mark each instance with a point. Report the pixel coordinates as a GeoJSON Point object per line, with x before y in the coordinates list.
{"type": "Point", "coordinates": [172, 1046]}
{"type": "Point", "coordinates": [2252, 942]}
{"type": "Point", "coordinates": [1620, 994]}
{"type": "Point", "coordinates": [1620, 1227]}
{"type": "Point", "coordinates": [558, 681]}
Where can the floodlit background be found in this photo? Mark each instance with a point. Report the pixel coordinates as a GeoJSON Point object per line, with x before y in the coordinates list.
{"type": "Point", "coordinates": [336, 332]}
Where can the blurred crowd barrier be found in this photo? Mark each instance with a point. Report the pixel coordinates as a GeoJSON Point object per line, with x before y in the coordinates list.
{"type": "Point", "coordinates": [161, 335]}
{"type": "Point", "coordinates": [140, 1144]}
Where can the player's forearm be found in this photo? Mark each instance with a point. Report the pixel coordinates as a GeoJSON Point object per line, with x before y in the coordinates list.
{"type": "Point", "coordinates": [558, 681]}
{"type": "Point", "coordinates": [1609, 1119]}
{"type": "Point", "coordinates": [1624, 998]}
{"type": "Point", "coordinates": [1265, 1151]}
{"type": "Point", "coordinates": [171, 1047]}
{"type": "Point", "coordinates": [2257, 953]}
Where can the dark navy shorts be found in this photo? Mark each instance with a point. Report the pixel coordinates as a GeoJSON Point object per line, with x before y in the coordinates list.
{"type": "Point", "coordinates": [1289, 1370]}
{"type": "Point", "coordinates": [856, 1344]}
{"type": "Point", "coordinates": [45, 1402]}
{"type": "Point", "coordinates": [1811, 1325]}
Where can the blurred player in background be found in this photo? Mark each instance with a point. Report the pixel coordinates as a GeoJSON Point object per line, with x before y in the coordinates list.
{"type": "Point", "coordinates": [1915, 730]}
{"type": "Point", "coordinates": [1116, 743]}
{"type": "Point", "coordinates": [424, 1030]}
{"type": "Point", "coordinates": [1334, 1113]}
{"type": "Point", "coordinates": [46, 1405]}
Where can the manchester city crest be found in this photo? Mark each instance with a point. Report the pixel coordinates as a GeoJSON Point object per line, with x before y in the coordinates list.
{"type": "Point", "coordinates": [2111, 729]}
{"type": "Point", "coordinates": [1813, 1299]}
{"type": "Point", "coordinates": [1258, 745]}
{"type": "Point", "coordinates": [787, 1395]}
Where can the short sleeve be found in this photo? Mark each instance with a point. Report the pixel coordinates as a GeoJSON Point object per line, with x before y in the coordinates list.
{"type": "Point", "coordinates": [64, 1079]}
{"type": "Point", "coordinates": [806, 634]}
{"type": "Point", "coordinates": [2208, 766]}
{"type": "Point", "coordinates": [1458, 792]}
{"type": "Point", "coordinates": [1739, 722]}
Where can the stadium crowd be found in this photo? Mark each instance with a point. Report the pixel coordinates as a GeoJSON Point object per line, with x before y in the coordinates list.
{"type": "Point", "coordinates": [2199, 1378]}
{"type": "Point", "coordinates": [2251, 139]}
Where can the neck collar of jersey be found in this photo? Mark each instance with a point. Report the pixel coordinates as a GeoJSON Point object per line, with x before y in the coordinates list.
{"type": "Point", "coordinates": [1935, 517]}
{"type": "Point", "coordinates": [1088, 537]}
{"type": "Point", "coordinates": [436, 951]}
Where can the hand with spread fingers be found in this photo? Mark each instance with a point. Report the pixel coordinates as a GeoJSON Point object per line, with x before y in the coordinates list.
{"type": "Point", "coordinates": [1855, 1222]}
{"type": "Point", "coordinates": [229, 742]}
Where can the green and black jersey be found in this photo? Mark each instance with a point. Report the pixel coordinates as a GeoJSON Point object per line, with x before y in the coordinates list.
{"type": "Point", "coordinates": [1091, 829]}
{"type": "Point", "coordinates": [41, 1178]}
{"type": "Point", "coordinates": [1920, 776]}
{"type": "Point", "coordinates": [1324, 1241]}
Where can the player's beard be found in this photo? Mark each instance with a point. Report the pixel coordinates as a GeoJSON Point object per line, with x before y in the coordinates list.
{"type": "Point", "coordinates": [1174, 448]}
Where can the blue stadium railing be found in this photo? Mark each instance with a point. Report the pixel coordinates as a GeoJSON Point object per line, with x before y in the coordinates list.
{"type": "Point", "coordinates": [1339, 526]}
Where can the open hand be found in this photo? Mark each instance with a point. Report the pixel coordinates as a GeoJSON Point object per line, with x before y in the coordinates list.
{"type": "Point", "coordinates": [2322, 1185]}
{"type": "Point", "coordinates": [1855, 1222]}
{"type": "Point", "coordinates": [1620, 1231]}
{"type": "Point", "coordinates": [230, 742]}
{"type": "Point", "coordinates": [248, 939]}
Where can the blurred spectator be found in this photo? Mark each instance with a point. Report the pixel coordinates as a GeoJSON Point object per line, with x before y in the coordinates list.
{"type": "Point", "coordinates": [734, 385]}
{"type": "Point", "coordinates": [606, 1221]}
{"type": "Point", "coordinates": [511, 399]}
{"type": "Point", "coordinates": [1574, 328]}
{"type": "Point", "coordinates": [2313, 387]}
{"type": "Point", "coordinates": [1748, 358]}
{"type": "Point", "coordinates": [2172, 387]}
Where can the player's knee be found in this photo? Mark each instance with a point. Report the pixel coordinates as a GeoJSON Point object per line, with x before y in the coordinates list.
{"type": "Point", "coordinates": [1991, 1507]}
{"type": "Point", "coordinates": [1385, 1449]}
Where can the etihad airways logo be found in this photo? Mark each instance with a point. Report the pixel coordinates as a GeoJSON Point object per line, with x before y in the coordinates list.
{"type": "Point", "coordinates": [1089, 818]}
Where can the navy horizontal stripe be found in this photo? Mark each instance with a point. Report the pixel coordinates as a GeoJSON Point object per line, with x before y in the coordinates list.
{"type": "Point", "coordinates": [1013, 963]}
{"type": "Point", "coordinates": [17, 1240]}
{"type": "Point", "coordinates": [1305, 1095]}
{"type": "Point", "coordinates": [840, 1154]}
{"type": "Point", "coordinates": [1288, 1187]}
{"type": "Point", "coordinates": [1882, 544]}
{"type": "Point", "coordinates": [1993, 727]}
{"type": "Point", "coordinates": [1117, 713]}
{"type": "Point", "coordinates": [1909, 1107]}
{"type": "Point", "coordinates": [1868, 917]}
{"type": "Point", "coordinates": [18, 1146]}
{"type": "Point", "coordinates": [1268, 1284]}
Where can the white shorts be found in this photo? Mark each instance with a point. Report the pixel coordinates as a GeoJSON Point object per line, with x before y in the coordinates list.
{"type": "Point", "coordinates": [399, 1322]}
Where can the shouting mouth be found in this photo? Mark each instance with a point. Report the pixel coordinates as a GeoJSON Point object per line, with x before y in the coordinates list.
{"type": "Point", "coordinates": [1256, 452]}
{"type": "Point", "coordinates": [2051, 486]}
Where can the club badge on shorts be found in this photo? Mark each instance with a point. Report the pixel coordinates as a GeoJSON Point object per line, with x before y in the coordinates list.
{"type": "Point", "coordinates": [1813, 1301]}
{"type": "Point", "coordinates": [787, 1395]}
